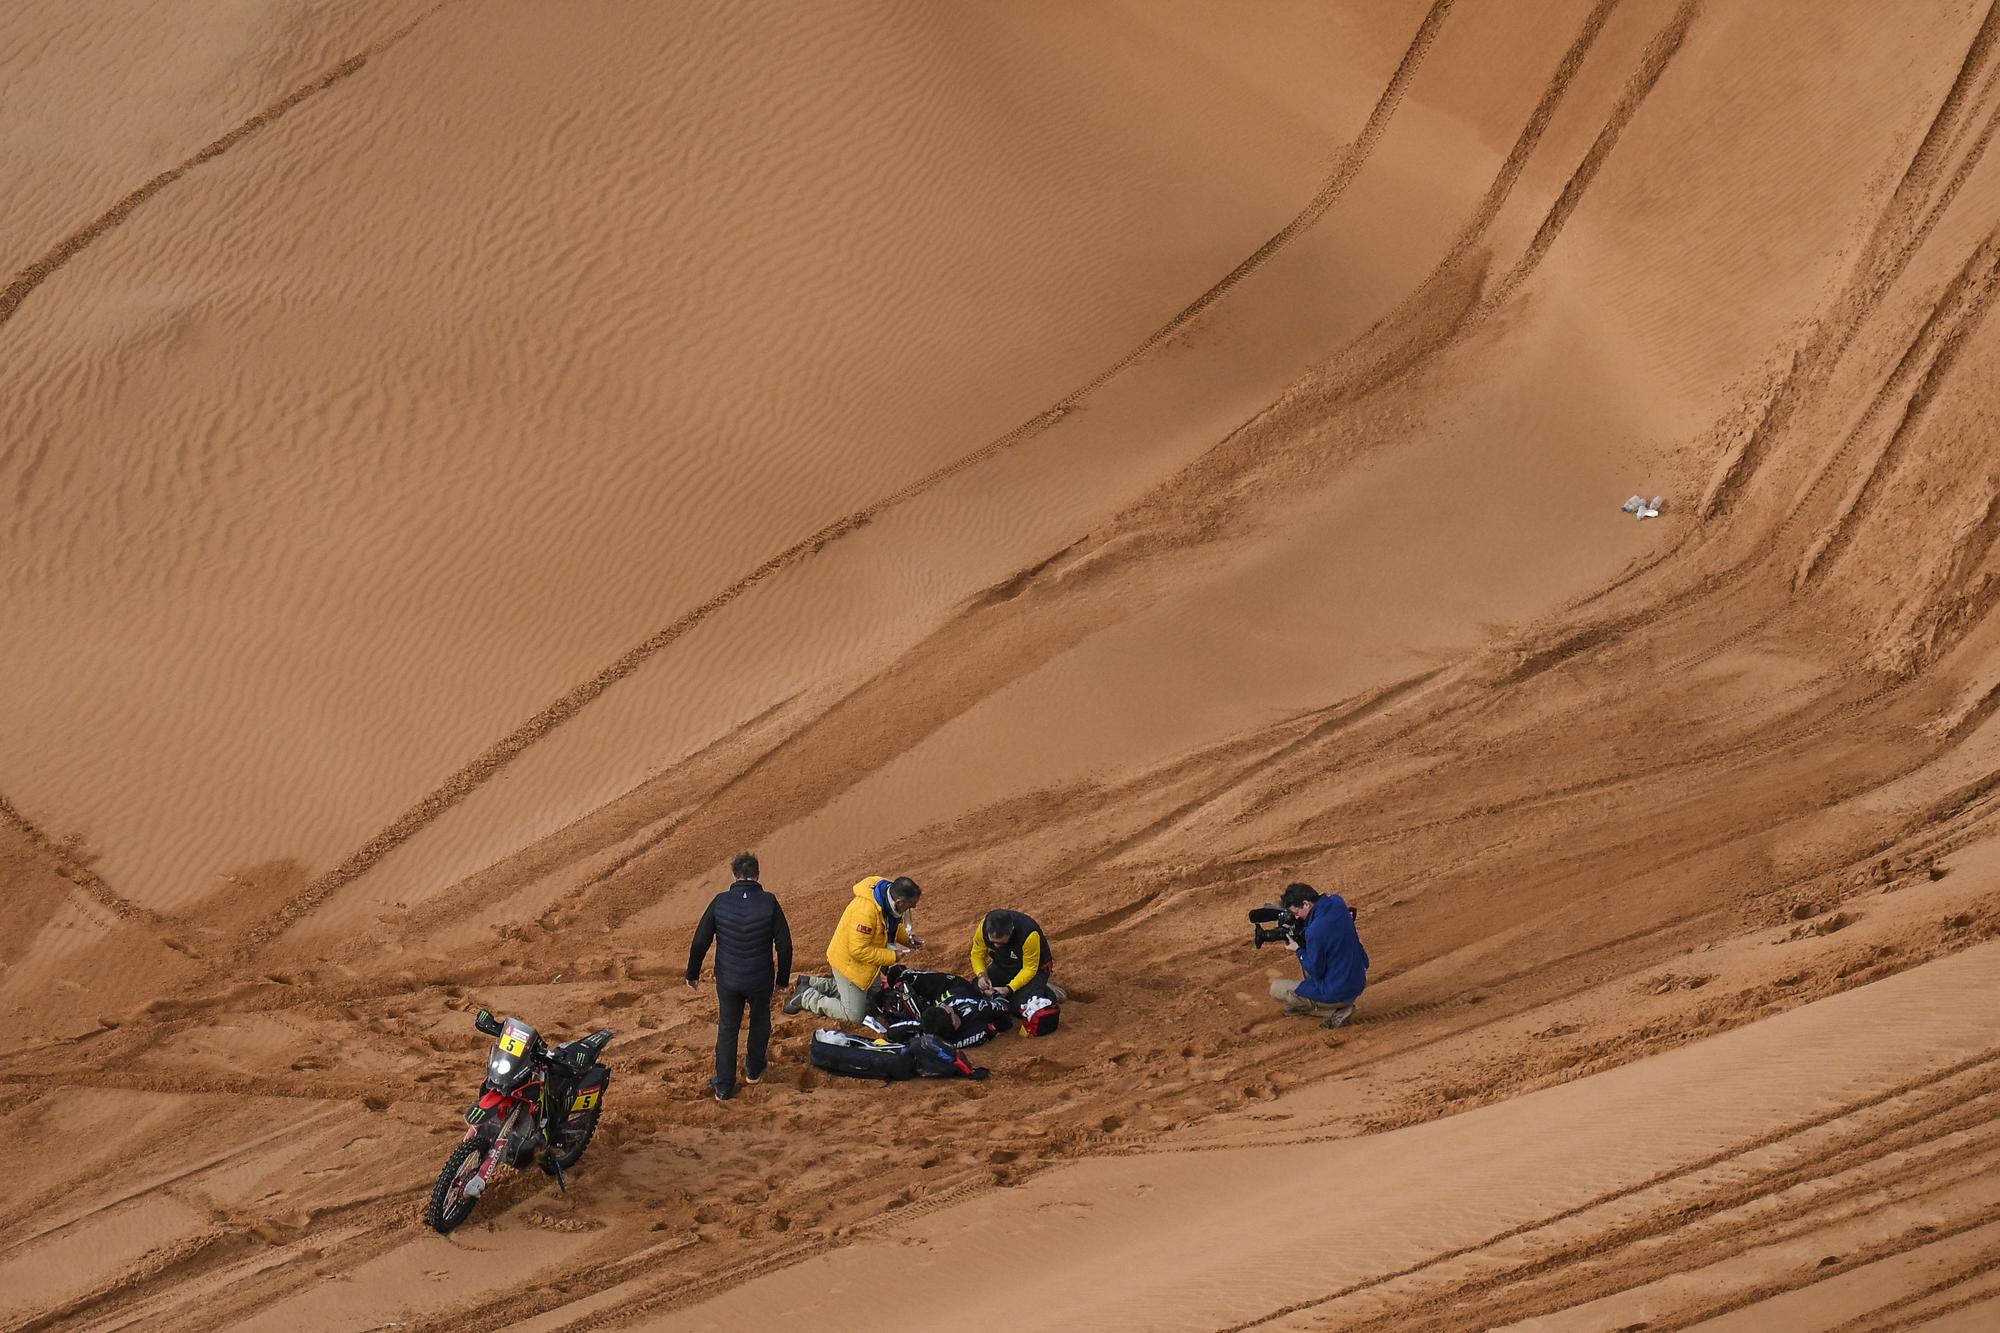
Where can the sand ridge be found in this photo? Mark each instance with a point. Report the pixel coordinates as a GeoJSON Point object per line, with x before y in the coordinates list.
{"type": "Point", "coordinates": [39, 271]}
{"type": "Point", "coordinates": [491, 761]}
{"type": "Point", "coordinates": [1294, 587]}
{"type": "Point", "coordinates": [1789, 1110]}
{"type": "Point", "coordinates": [248, 503]}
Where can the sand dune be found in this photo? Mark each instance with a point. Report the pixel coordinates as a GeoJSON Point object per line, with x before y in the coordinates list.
{"type": "Point", "coordinates": [472, 468]}
{"type": "Point", "coordinates": [1843, 1126]}
{"type": "Point", "coordinates": [647, 419]}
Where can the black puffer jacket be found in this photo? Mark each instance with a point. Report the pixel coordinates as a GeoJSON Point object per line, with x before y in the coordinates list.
{"type": "Point", "coordinates": [747, 926]}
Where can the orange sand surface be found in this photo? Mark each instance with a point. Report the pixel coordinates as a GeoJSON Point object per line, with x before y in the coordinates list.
{"type": "Point", "coordinates": [468, 468]}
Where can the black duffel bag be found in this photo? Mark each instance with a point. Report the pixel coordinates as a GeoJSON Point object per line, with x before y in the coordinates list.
{"type": "Point", "coordinates": [919, 1057]}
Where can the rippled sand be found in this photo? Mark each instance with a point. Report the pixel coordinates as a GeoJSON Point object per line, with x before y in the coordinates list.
{"type": "Point", "coordinates": [471, 468]}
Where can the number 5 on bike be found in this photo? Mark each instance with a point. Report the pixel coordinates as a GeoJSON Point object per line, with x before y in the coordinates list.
{"type": "Point", "coordinates": [537, 1099]}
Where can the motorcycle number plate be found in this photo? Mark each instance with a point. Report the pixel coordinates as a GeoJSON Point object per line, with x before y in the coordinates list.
{"type": "Point", "coordinates": [587, 1101]}
{"type": "Point", "coordinates": [513, 1045]}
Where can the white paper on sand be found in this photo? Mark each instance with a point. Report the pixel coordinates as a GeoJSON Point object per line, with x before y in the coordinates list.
{"type": "Point", "coordinates": [1644, 508]}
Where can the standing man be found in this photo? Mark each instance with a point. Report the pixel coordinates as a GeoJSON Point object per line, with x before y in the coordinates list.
{"type": "Point", "coordinates": [872, 934]}
{"type": "Point", "coordinates": [1011, 958]}
{"type": "Point", "coordinates": [747, 926]}
{"type": "Point", "coordinates": [1334, 963]}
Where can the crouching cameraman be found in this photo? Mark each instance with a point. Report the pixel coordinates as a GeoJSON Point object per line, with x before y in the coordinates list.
{"type": "Point", "coordinates": [1331, 956]}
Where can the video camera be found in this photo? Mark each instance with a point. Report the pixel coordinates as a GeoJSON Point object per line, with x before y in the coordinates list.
{"type": "Point", "coordinates": [1272, 924]}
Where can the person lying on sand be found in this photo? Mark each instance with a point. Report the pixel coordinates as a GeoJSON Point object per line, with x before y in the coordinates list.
{"type": "Point", "coordinates": [873, 933]}
{"type": "Point", "coordinates": [950, 1008]}
{"type": "Point", "coordinates": [1334, 963]}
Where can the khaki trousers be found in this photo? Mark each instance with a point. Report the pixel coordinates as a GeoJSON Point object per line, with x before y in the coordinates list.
{"type": "Point", "coordinates": [835, 997]}
{"type": "Point", "coordinates": [1287, 994]}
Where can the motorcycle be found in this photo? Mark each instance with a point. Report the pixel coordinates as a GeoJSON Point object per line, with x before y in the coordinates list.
{"type": "Point", "coordinates": [536, 1099]}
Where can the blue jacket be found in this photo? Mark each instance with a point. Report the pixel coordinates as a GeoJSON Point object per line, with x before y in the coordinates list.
{"type": "Point", "coordinates": [1335, 964]}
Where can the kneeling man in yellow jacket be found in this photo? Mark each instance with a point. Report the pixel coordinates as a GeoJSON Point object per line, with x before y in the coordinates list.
{"type": "Point", "coordinates": [872, 934]}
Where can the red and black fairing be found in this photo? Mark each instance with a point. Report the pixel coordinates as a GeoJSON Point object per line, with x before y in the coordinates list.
{"type": "Point", "coordinates": [493, 1106]}
{"type": "Point", "coordinates": [589, 1093]}
{"type": "Point", "coordinates": [513, 1077]}
{"type": "Point", "coordinates": [576, 1081]}
{"type": "Point", "coordinates": [536, 1100]}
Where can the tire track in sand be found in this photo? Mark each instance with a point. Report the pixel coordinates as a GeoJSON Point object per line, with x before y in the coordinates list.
{"type": "Point", "coordinates": [1652, 64]}
{"type": "Point", "coordinates": [1913, 207]}
{"type": "Point", "coordinates": [1684, 1171]}
{"type": "Point", "coordinates": [223, 1255]}
{"type": "Point", "coordinates": [1501, 188]}
{"type": "Point", "coordinates": [483, 767]}
{"type": "Point", "coordinates": [1960, 310]}
{"type": "Point", "coordinates": [1944, 324]}
{"type": "Point", "coordinates": [1395, 345]}
{"type": "Point", "coordinates": [81, 876]}
{"type": "Point", "coordinates": [1909, 1242]}
{"type": "Point", "coordinates": [1941, 322]}
{"type": "Point", "coordinates": [1901, 1314]}
{"type": "Point", "coordinates": [1750, 1205]}
{"type": "Point", "coordinates": [41, 270]}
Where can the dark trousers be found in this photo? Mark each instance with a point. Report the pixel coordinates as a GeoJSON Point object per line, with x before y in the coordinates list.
{"type": "Point", "coordinates": [733, 1003]}
{"type": "Point", "coordinates": [1036, 988]}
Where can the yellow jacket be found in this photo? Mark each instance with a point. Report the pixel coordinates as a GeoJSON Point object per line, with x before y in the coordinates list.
{"type": "Point", "coordinates": [1030, 946]}
{"type": "Point", "coordinates": [860, 947]}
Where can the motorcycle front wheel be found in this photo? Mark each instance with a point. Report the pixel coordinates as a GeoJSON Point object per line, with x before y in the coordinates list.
{"type": "Point", "coordinates": [450, 1204]}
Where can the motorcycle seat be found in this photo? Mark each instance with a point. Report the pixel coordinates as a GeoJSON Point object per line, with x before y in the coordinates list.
{"type": "Point", "coordinates": [582, 1053]}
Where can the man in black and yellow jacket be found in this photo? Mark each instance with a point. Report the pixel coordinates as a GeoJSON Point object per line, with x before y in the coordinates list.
{"type": "Point", "coordinates": [1011, 957]}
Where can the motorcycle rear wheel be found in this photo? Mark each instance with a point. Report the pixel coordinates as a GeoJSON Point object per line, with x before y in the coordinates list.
{"type": "Point", "coordinates": [450, 1205]}
{"type": "Point", "coordinates": [576, 1134]}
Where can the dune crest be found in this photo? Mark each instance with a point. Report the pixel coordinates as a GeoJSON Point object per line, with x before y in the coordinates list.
{"type": "Point", "coordinates": [473, 469]}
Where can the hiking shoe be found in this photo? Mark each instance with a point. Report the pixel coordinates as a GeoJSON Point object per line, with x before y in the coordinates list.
{"type": "Point", "coordinates": [1341, 1013]}
{"type": "Point", "coordinates": [797, 999]}
{"type": "Point", "coordinates": [722, 1094]}
{"type": "Point", "coordinates": [753, 1078]}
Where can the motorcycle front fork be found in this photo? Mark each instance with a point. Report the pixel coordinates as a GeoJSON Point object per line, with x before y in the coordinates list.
{"type": "Point", "coordinates": [494, 1155]}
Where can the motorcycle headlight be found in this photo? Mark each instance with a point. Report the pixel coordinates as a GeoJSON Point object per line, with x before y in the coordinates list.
{"type": "Point", "coordinates": [502, 1065]}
